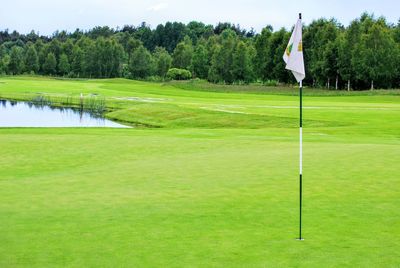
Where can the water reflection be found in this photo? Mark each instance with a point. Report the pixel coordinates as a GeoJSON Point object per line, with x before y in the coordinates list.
{"type": "Point", "coordinates": [25, 114]}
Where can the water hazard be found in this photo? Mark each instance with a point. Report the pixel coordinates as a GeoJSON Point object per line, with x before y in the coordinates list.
{"type": "Point", "coordinates": [25, 114]}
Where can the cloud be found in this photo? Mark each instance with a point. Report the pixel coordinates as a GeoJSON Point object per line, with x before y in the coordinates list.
{"type": "Point", "coordinates": [158, 7]}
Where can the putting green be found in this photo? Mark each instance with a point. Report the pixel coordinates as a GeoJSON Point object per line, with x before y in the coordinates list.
{"type": "Point", "coordinates": [213, 183]}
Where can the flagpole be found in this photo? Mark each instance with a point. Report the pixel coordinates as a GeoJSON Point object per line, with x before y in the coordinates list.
{"type": "Point", "coordinates": [293, 57]}
{"type": "Point", "coordinates": [301, 157]}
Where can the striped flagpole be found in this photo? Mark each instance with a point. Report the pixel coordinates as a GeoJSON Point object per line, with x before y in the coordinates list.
{"type": "Point", "coordinates": [301, 158]}
{"type": "Point", "coordinates": [294, 60]}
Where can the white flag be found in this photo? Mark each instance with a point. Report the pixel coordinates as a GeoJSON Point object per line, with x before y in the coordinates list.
{"type": "Point", "coordinates": [293, 55]}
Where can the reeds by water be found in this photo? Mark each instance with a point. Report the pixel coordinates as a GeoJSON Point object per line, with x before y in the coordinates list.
{"type": "Point", "coordinates": [41, 100]}
{"type": "Point", "coordinates": [93, 104]}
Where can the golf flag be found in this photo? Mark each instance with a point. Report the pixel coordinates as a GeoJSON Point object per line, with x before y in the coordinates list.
{"type": "Point", "coordinates": [293, 55]}
{"type": "Point", "coordinates": [294, 60]}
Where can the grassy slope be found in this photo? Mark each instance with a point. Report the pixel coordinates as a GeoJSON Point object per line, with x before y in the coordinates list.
{"type": "Point", "coordinates": [209, 188]}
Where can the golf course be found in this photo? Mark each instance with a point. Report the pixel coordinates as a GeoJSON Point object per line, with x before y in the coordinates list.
{"type": "Point", "coordinates": [207, 176]}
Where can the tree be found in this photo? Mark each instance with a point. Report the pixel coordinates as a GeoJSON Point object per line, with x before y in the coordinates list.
{"type": "Point", "coordinates": [67, 48]}
{"type": "Point", "coordinates": [16, 63]}
{"type": "Point", "coordinates": [101, 57]}
{"type": "Point", "coordinates": [179, 74]}
{"type": "Point", "coordinates": [50, 64]}
{"type": "Point", "coordinates": [200, 63]}
{"type": "Point", "coordinates": [132, 45]}
{"type": "Point", "coordinates": [145, 35]}
{"type": "Point", "coordinates": [376, 56]}
{"type": "Point", "coordinates": [31, 60]}
{"type": "Point", "coordinates": [215, 72]}
{"type": "Point", "coordinates": [330, 62]}
{"type": "Point", "coordinates": [77, 61]}
{"type": "Point", "coordinates": [228, 43]}
{"type": "Point", "coordinates": [55, 48]}
{"type": "Point", "coordinates": [4, 59]}
{"type": "Point", "coordinates": [162, 60]}
{"type": "Point", "coordinates": [140, 65]}
{"type": "Point", "coordinates": [89, 61]}
{"type": "Point", "coordinates": [263, 62]}
{"type": "Point", "coordinates": [242, 68]}
{"type": "Point", "coordinates": [42, 54]}
{"type": "Point", "coordinates": [4, 64]}
{"type": "Point", "coordinates": [396, 32]}
{"type": "Point", "coordinates": [169, 35]}
{"type": "Point", "coordinates": [222, 58]}
{"type": "Point", "coordinates": [222, 26]}
{"type": "Point", "coordinates": [346, 45]}
{"type": "Point", "coordinates": [108, 55]}
{"type": "Point", "coordinates": [198, 30]}
{"type": "Point", "coordinates": [277, 46]}
{"type": "Point", "coordinates": [63, 65]}
{"type": "Point", "coordinates": [182, 57]}
{"type": "Point", "coordinates": [366, 54]}
{"type": "Point", "coordinates": [101, 31]}
{"type": "Point", "coordinates": [317, 36]}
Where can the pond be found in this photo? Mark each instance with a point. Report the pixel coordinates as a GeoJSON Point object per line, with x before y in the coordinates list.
{"type": "Point", "coordinates": [25, 114]}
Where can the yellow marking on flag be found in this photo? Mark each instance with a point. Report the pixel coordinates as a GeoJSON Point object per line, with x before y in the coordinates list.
{"type": "Point", "coordinates": [300, 47]}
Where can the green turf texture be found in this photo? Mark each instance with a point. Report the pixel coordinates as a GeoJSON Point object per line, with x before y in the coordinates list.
{"type": "Point", "coordinates": [212, 181]}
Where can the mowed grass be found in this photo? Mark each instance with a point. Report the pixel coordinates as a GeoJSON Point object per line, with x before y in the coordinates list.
{"type": "Point", "coordinates": [212, 181]}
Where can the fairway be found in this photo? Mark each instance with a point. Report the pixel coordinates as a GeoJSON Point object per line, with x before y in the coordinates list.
{"type": "Point", "coordinates": [205, 178]}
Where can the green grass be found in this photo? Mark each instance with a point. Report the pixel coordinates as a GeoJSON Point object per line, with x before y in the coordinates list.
{"type": "Point", "coordinates": [211, 182]}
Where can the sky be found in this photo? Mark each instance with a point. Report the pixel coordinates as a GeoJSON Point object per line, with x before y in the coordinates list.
{"type": "Point", "coordinates": [47, 16]}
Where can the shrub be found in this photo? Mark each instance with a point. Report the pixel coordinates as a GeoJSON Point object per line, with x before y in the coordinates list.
{"type": "Point", "coordinates": [179, 74]}
{"type": "Point", "coordinates": [271, 83]}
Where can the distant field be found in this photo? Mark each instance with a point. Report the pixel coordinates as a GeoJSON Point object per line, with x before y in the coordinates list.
{"type": "Point", "coordinates": [208, 178]}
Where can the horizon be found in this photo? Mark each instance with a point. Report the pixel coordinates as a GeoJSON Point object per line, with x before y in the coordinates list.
{"type": "Point", "coordinates": [258, 14]}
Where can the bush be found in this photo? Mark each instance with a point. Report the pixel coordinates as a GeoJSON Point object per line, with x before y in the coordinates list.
{"type": "Point", "coordinates": [179, 74]}
{"type": "Point", "coordinates": [125, 71]}
{"type": "Point", "coordinates": [155, 78]}
{"type": "Point", "coordinates": [271, 83]}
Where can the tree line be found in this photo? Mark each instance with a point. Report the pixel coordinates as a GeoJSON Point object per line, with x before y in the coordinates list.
{"type": "Point", "coordinates": [365, 54]}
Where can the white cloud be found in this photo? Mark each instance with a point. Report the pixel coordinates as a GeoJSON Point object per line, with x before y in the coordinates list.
{"type": "Point", "coordinates": [158, 7]}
